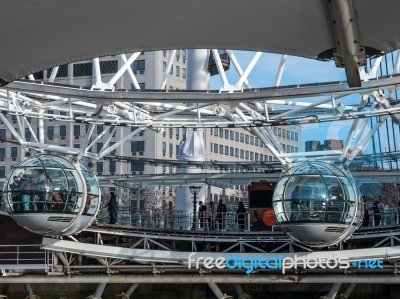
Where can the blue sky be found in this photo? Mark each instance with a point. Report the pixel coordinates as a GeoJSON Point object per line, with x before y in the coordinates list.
{"type": "Point", "coordinates": [297, 71]}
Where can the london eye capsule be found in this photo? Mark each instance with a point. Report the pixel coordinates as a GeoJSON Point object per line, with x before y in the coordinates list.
{"type": "Point", "coordinates": [317, 204]}
{"type": "Point", "coordinates": [49, 195]}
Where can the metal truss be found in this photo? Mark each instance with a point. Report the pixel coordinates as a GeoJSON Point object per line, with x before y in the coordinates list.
{"type": "Point", "coordinates": [234, 105]}
{"type": "Point", "coordinates": [121, 250]}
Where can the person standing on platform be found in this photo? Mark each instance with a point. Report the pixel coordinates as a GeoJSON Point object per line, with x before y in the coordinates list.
{"type": "Point", "coordinates": [202, 214]}
{"type": "Point", "coordinates": [211, 215]}
{"type": "Point", "coordinates": [221, 212]}
{"type": "Point", "coordinates": [113, 208]}
{"type": "Point", "coordinates": [366, 216]}
{"type": "Point", "coordinates": [377, 213]}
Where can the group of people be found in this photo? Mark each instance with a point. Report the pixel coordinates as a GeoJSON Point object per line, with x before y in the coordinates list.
{"type": "Point", "coordinates": [27, 189]}
{"type": "Point", "coordinates": [377, 211]}
{"type": "Point", "coordinates": [214, 218]}
{"type": "Point", "coordinates": [35, 191]}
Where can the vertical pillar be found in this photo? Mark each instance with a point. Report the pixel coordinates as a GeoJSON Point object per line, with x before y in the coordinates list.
{"type": "Point", "coordinates": [349, 289]}
{"type": "Point", "coordinates": [41, 126]}
{"type": "Point", "coordinates": [131, 289]}
{"type": "Point", "coordinates": [216, 290]}
{"type": "Point", "coordinates": [240, 292]}
{"type": "Point", "coordinates": [99, 291]}
{"type": "Point", "coordinates": [333, 291]}
{"type": "Point", "coordinates": [29, 290]}
{"type": "Point", "coordinates": [209, 193]}
{"type": "Point", "coordinates": [193, 148]}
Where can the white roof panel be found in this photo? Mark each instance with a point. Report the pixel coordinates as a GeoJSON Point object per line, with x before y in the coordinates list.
{"type": "Point", "coordinates": [38, 34]}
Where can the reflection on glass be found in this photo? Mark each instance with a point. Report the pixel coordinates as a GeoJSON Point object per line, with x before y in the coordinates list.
{"type": "Point", "coordinates": [50, 184]}
{"type": "Point", "coordinates": [315, 192]}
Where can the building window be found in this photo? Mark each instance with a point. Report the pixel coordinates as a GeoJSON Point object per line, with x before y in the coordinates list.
{"type": "Point", "coordinates": [247, 155]}
{"type": "Point", "coordinates": [2, 171]}
{"type": "Point", "coordinates": [62, 71]}
{"type": "Point", "coordinates": [164, 53]}
{"type": "Point", "coordinates": [164, 66]}
{"type": "Point", "coordinates": [50, 132]}
{"type": "Point", "coordinates": [171, 71]}
{"type": "Point", "coordinates": [77, 131]}
{"type": "Point", "coordinates": [99, 167]}
{"type": "Point", "coordinates": [216, 148]}
{"type": "Point", "coordinates": [288, 134]}
{"type": "Point", "coordinates": [2, 133]}
{"type": "Point", "coordinates": [231, 151]}
{"type": "Point", "coordinates": [177, 133]}
{"type": "Point", "coordinates": [137, 166]}
{"type": "Point", "coordinates": [236, 152]}
{"type": "Point", "coordinates": [177, 151]}
{"type": "Point", "coordinates": [28, 134]}
{"type": "Point", "coordinates": [221, 149]}
{"type": "Point", "coordinates": [226, 150]}
{"type": "Point", "coordinates": [139, 66]}
{"type": "Point", "coordinates": [231, 135]}
{"type": "Point", "coordinates": [256, 156]}
{"type": "Point", "coordinates": [283, 133]}
{"type": "Point", "coordinates": [242, 154]}
{"type": "Point", "coordinates": [279, 132]}
{"type": "Point", "coordinates": [137, 146]}
{"type": "Point", "coordinates": [177, 72]}
{"type": "Point", "coordinates": [83, 69]}
{"type": "Point", "coordinates": [241, 137]}
{"type": "Point", "coordinates": [227, 134]}
{"type": "Point", "coordinates": [183, 73]}
{"type": "Point", "coordinates": [221, 132]}
{"type": "Point", "coordinates": [184, 55]}
{"type": "Point", "coordinates": [63, 131]}
{"type": "Point", "coordinates": [2, 153]}
{"type": "Point", "coordinates": [109, 66]}
{"type": "Point", "coordinates": [247, 139]}
{"type": "Point", "coordinates": [236, 136]}
{"type": "Point", "coordinates": [164, 149]}
{"type": "Point", "coordinates": [99, 129]}
{"type": "Point", "coordinates": [178, 54]}
{"type": "Point", "coordinates": [113, 167]}
{"type": "Point", "coordinates": [14, 153]}
{"type": "Point", "coordinates": [296, 136]}
{"type": "Point", "coordinates": [38, 75]}
{"type": "Point", "coordinates": [251, 156]}
{"type": "Point", "coordinates": [99, 146]}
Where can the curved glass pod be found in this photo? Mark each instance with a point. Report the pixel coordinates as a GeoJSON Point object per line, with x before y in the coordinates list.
{"type": "Point", "coordinates": [317, 204]}
{"type": "Point", "coordinates": [49, 195]}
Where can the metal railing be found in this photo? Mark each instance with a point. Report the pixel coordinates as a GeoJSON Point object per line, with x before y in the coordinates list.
{"type": "Point", "coordinates": [179, 220]}
{"type": "Point", "coordinates": [229, 221]}
{"type": "Point", "coordinates": [27, 257]}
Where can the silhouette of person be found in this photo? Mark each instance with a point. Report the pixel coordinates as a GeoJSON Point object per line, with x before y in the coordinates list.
{"type": "Point", "coordinates": [113, 208]}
